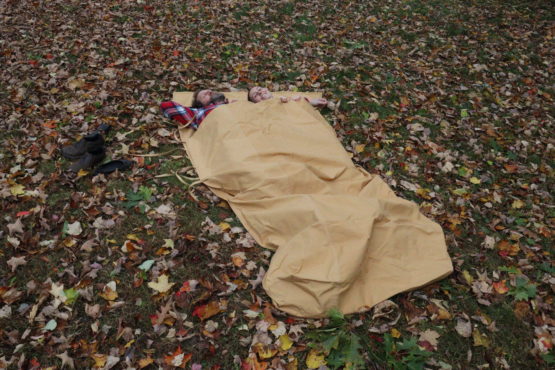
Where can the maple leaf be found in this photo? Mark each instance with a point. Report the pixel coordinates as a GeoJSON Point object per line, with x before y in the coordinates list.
{"type": "Point", "coordinates": [14, 262]}
{"type": "Point", "coordinates": [429, 337]}
{"type": "Point", "coordinates": [162, 285]}
{"type": "Point", "coordinates": [66, 360]}
{"type": "Point", "coordinates": [16, 227]}
{"type": "Point", "coordinates": [17, 190]}
{"type": "Point", "coordinates": [500, 287]}
{"type": "Point", "coordinates": [178, 358]}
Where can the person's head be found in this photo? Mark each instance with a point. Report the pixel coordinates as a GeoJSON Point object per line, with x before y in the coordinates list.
{"type": "Point", "coordinates": [257, 94]}
{"type": "Point", "coordinates": [202, 98]}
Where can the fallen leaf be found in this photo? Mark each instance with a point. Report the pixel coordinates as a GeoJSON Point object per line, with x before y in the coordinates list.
{"type": "Point", "coordinates": [66, 360]}
{"type": "Point", "coordinates": [517, 204]}
{"type": "Point", "coordinates": [99, 360]}
{"type": "Point", "coordinates": [224, 226]}
{"type": "Point", "coordinates": [469, 279]}
{"type": "Point", "coordinates": [480, 339]}
{"type": "Point", "coordinates": [75, 83]}
{"type": "Point", "coordinates": [264, 351]}
{"type": "Point", "coordinates": [500, 287]}
{"type": "Point", "coordinates": [429, 336]}
{"type": "Point", "coordinates": [238, 258]}
{"type": "Point", "coordinates": [315, 359]}
{"type": "Point", "coordinates": [14, 262]}
{"type": "Point", "coordinates": [161, 285]}
{"type": "Point", "coordinates": [17, 189]}
{"type": "Point", "coordinates": [507, 248]}
{"type": "Point", "coordinates": [74, 228]}
{"type": "Point", "coordinates": [50, 325]}
{"type": "Point", "coordinates": [285, 342]}
{"type": "Point", "coordinates": [144, 362]}
{"type": "Point", "coordinates": [13, 241]}
{"type": "Point", "coordinates": [206, 311]}
{"type": "Point", "coordinates": [92, 310]}
{"type": "Point", "coordinates": [109, 292]}
{"type": "Point", "coordinates": [464, 328]}
{"type": "Point", "coordinates": [16, 227]}
{"type": "Point", "coordinates": [178, 358]}
{"type": "Point", "coordinates": [58, 291]}
{"type": "Point", "coordinates": [146, 265]}
{"type": "Point", "coordinates": [100, 223]}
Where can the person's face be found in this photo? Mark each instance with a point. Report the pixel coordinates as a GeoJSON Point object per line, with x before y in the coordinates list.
{"type": "Point", "coordinates": [258, 94]}
{"type": "Point", "coordinates": [204, 97]}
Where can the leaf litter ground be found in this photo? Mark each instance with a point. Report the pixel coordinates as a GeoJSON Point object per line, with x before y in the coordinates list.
{"type": "Point", "coordinates": [450, 102]}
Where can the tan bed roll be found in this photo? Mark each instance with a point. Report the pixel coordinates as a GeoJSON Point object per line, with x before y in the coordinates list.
{"type": "Point", "coordinates": [342, 238]}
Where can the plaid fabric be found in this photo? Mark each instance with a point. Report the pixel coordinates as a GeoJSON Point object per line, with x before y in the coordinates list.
{"type": "Point", "coordinates": [191, 117]}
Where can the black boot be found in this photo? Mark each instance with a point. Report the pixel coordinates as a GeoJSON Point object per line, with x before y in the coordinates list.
{"type": "Point", "coordinates": [89, 160]}
{"type": "Point", "coordinates": [89, 143]}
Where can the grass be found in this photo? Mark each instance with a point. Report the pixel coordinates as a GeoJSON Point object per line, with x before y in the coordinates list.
{"type": "Point", "coordinates": [422, 51]}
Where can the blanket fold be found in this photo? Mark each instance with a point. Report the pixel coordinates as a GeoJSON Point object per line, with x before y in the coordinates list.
{"type": "Point", "coordinates": [342, 238]}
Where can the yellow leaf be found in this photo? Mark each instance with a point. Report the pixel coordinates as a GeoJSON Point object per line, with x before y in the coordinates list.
{"type": "Point", "coordinates": [469, 279]}
{"type": "Point", "coordinates": [518, 204]}
{"type": "Point", "coordinates": [133, 237]}
{"type": "Point", "coordinates": [480, 339]}
{"type": "Point", "coordinates": [224, 226]}
{"type": "Point", "coordinates": [162, 285]}
{"type": "Point", "coordinates": [145, 362]}
{"type": "Point", "coordinates": [475, 180]}
{"type": "Point", "coordinates": [359, 148]}
{"type": "Point", "coordinates": [314, 359]}
{"type": "Point", "coordinates": [69, 242]}
{"type": "Point", "coordinates": [238, 260]}
{"type": "Point", "coordinates": [99, 360]}
{"type": "Point", "coordinates": [264, 351]}
{"type": "Point", "coordinates": [82, 173]}
{"type": "Point", "coordinates": [108, 294]}
{"type": "Point", "coordinates": [17, 190]}
{"type": "Point", "coordinates": [423, 192]}
{"type": "Point", "coordinates": [293, 363]}
{"type": "Point", "coordinates": [285, 342]}
{"type": "Point", "coordinates": [443, 314]}
{"type": "Point", "coordinates": [395, 333]}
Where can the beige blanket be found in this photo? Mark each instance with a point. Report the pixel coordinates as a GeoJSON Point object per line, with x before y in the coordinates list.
{"type": "Point", "coordinates": [342, 238]}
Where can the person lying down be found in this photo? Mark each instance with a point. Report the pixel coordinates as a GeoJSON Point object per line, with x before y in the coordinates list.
{"type": "Point", "coordinates": [342, 238]}
{"type": "Point", "coordinates": [206, 100]}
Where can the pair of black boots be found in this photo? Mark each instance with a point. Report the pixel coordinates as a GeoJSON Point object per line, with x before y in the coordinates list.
{"type": "Point", "coordinates": [87, 152]}
{"type": "Point", "coordinates": [90, 151]}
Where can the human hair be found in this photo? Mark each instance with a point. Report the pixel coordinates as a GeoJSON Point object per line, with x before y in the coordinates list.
{"type": "Point", "coordinates": [196, 103]}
